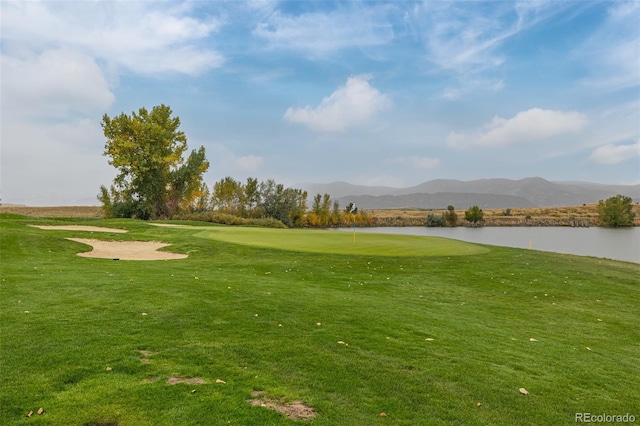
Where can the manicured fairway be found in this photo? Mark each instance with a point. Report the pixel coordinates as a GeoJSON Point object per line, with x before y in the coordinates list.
{"type": "Point", "coordinates": [426, 331]}
{"type": "Point", "coordinates": [328, 242]}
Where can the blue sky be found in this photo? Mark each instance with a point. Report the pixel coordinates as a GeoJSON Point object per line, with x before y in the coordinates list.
{"type": "Point", "coordinates": [373, 93]}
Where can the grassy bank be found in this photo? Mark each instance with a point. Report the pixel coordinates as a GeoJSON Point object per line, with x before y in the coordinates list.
{"type": "Point", "coordinates": [426, 331]}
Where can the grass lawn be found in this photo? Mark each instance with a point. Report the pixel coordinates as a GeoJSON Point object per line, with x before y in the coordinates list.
{"type": "Point", "coordinates": [431, 331]}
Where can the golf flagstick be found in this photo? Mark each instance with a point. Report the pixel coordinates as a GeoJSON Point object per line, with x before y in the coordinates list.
{"type": "Point", "coordinates": [354, 231]}
{"type": "Point", "coordinates": [353, 211]}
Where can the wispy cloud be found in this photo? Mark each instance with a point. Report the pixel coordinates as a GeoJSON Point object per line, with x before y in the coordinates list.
{"type": "Point", "coordinates": [317, 34]}
{"type": "Point", "coordinates": [615, 154]}
{"type": "Point", "coordinates": [613, 50]}
{"type": "Point", "coordinates": [353, 104]}
{"type": "Point", "coordinates": [475, 84]}
{"type": "Point", "coordinates": [248, 163]}
{"type": "Point", "coordinates": [527, 126]}
{"type": "Point", "coordinates": [466, 36]}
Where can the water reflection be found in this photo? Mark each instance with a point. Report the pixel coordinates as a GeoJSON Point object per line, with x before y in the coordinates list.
{"type": "Point", "coordinates": [618, 244]}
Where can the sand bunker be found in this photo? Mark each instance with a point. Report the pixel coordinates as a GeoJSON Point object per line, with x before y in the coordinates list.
{"type": "Point", "coordinates": [81, 228]}
{"type": "Point", "coordinates": [127, 250]}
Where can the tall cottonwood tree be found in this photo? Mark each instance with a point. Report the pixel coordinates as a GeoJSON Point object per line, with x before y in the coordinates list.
{"type": "Point", "coordinates": [228, 196]}
{"type": "Point", "coordinates": [154, 180]}
{"type": "Point", "coordinates": [252, 197]}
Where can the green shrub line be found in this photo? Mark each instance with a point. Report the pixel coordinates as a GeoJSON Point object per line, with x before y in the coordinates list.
{"type": "Point", "coordinates": [428, 331]}
{"type": "Point", "coordinates": [228, 219]}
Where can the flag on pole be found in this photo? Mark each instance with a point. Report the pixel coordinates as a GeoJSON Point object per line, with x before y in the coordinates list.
{"type": "Point", "coordinates": [353, 210]}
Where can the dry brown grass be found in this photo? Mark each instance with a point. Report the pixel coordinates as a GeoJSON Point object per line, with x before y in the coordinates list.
{"type": "Point", "coordinates": [89, 212]}
{"type": "Point", "coordinates": [497, 217]}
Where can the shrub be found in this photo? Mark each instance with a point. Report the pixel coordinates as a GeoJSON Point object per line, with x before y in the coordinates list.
{"type": "Point", "coordinates": [474, 215]}
{"type": "Point", "coordinates": [228, 219]}
{"type": "Point", "coordinates": [434, 221]}
{"type": "Point", "coordinates": [450, 217]}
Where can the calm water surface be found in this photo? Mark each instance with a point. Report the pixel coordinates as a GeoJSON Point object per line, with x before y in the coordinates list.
{"type": "Point", "coordinates": [618, 244]}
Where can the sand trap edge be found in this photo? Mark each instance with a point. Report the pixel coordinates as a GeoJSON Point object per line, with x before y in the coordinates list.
{"type": "Point", "coordinates": [80, 228]}
{"type": "Point", "coordinates": [127, 250]}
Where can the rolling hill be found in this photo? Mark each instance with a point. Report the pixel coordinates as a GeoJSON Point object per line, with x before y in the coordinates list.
{"type": "Point", "coordinates": [486, 193]}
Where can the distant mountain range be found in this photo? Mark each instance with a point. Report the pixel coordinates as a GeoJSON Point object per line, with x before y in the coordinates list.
{"type": "Point", "coordinates": [485, 193]}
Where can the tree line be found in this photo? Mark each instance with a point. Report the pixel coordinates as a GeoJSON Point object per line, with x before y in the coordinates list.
{"type": "Point", "coordinates": [155, 181]}
{"type": "Point", "coordinates": [268, 199]}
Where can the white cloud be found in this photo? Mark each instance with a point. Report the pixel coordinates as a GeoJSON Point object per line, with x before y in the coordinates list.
{"type": "Point", "coordinates": [611, 53]}
{"type": "Point", "coordinates": [54, 82]}
{"type": "Point", "coordinates": [249, 163]}
{"type": "Point", "coordinates": [527, 126]}
{"type": "Point", "coordinates": [353, 104]}
{"type": "Point", "coordinates": [419, 162]}
{"type": "Point", "coordinates": [319, 33]}
{"type": "Point", "coordinates": [615, 154]}
{"type": "Point", "coordinates": [144, 37]}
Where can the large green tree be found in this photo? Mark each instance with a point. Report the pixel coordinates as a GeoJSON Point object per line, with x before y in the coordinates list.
{"type": "Point", "coordinates": [154, 180]}
{"type": "Point", "coordinates": [616, 211]}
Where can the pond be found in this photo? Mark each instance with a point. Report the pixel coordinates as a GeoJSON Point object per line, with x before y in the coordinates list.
{"type": "Point", "coordinates": [612, 243]}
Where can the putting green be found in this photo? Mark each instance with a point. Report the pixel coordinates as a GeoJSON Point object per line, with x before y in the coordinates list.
{"type": "Point", "coordinates": [323, 241]}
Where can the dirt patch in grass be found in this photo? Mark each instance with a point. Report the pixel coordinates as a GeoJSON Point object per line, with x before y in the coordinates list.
{"type": "Point", "coordinates": [80, 228]}
{"type": "Point", "coordinates": [146, 354]}
{"type": "Point", "coordinates": [127, 250]}
{"type": "Point", "coordinates": [296, 410]}
{"type": "Point", "coordinates": [173, 380]}
{"type": "Point", "coordinates": [101, 424]}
